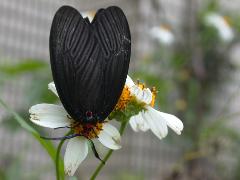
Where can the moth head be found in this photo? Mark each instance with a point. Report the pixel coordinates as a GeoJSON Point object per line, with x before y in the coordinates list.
{"type": "Point", "coordinates": [89, 115]}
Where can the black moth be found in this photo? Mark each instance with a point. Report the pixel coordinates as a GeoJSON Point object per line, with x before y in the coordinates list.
{"type": "Point", "coordinates": [89, 61]}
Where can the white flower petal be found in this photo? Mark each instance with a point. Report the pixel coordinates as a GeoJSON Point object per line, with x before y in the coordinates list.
{"type": "Point", "coordinates": [144, 95]}
{"type": "Point", "coordinates": [144, 125]}
{"type": "Point", "coordinates": [138, 123]}
{"type": "Point", "coordinates": [173, 122]}
{"type": "Point", "coordinates": [52, 87]}
{"type": "Point", "coordinates": [49, 115]}
{"type": "Point", "coordinates": [110, 137]}
{"type": "Point", "coordinates": [137, 92]}
{"type": "Point", "coordinates": [226, 33]}
{"type": "Point", "coordinates": [156, 122]}
{"type": "Point", "coordinates": [129, 82]}
{"type": "Point", "coordinates": [134, 90]}
{"type": "Point", "coordinates": [162, 34]}
{"type": "Point", "coordinates": [76, 152]}
{"type": "Point", "coordinates": [147, 96]}
{"type": "Point", "coordinates": [134, 123]}
{"type": "Point", "coordinates": [224, 29]}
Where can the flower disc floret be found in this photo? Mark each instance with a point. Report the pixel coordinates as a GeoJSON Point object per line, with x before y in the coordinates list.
{"type": "Point", "coordinates": [90, 131]}
{"type": "Point", "coordinates": [124, 99]}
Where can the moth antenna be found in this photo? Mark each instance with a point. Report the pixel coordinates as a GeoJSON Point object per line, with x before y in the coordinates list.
{"type": "Point", "coordinates": [69, 117]}
{"type": "Point", "coordinates": [61, 138]}
{"type": "Point", "coordinates": [95, 151]}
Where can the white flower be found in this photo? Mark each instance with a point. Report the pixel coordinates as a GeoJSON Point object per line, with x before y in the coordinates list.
{"type": "Point", "coordinates": [88, 14]}
{"type": "Point", "coordinates": [52, 87]}
{"type": "Point", "coordinates": [225, 31]}
{"type": "Point", "coordinates": [55, 116]}
{"type": "Point", "coordinates": [150, 118]}
{"type": "Point", "coordinates": [163, 34]}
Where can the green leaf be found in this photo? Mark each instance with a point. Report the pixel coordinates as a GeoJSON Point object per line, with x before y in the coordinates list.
{"type": "Point", "coordinates": [47, 145]}
{"type": "Point", "coordinates": [27, 65]}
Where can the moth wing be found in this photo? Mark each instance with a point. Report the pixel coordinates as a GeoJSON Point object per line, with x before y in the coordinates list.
{"type": "Point", "coordinates": [112, 31]}
{"type": "Point", "coordinates": [76, 62]}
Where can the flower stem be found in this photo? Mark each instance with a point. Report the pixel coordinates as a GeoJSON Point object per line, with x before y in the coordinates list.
{"type": "Point", "coordinates": [59, 175]}
{"type": "Point", "coordinates": [57, 159]}
{"type": "Point", "coordinates": [109, 153]}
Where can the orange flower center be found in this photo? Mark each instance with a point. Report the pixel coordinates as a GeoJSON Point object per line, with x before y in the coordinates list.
{"type": "Point", "coordinates": [124, 99]}
{"type": "Point", "coordinates": [89, 131]}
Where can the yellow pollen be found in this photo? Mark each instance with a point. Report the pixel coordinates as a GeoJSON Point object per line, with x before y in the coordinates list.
{"type": "Point", "coordinates": [140, 85]}
{"type": "Point", "coordinates": [89, 131]}
{"type": "Point", "coordinates": [154, 94]}
{"type": "Point", "coordinates": [124, 99]}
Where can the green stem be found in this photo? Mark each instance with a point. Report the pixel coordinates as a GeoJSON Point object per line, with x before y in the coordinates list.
{"type": "Point", "coordinates": [122, 128]}
{"type": "Point", "coordinates": [109, 153]}
{"type": "Point", "coordinates": [59, 176]}
{"type": "Point", "coordinates": [57, 159]}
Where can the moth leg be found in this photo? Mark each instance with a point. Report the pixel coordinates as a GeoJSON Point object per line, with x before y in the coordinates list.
{"type": "Point", "coordinates": [69, 117]}
{"type": "Point", "coordinates": [61, 138]}
{"type": "Point", "coordinates": [75, 125]}
{"type": "Point", "coordinates": [105, 121]}
{"type": "Point", "coordinates": [62, 127]}
{"type": "Point", "coordinates": [95, 151]}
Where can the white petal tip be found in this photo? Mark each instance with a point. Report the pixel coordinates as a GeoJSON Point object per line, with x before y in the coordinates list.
{"type": "Point", "coordinates": [52, 87]}
{"type": "Point", "coordinates": [129, 82]}
{"type": "Point", "coordinates": [173, 122]}
{"type": "Point", "coordinates": [49, 115]}
{"type": "Point", "coordinates": [69, 172]}
{"type": "Point", "coordinates": [76, 152]}
{"type": "Point", "coordinates": [117, 144]}
{"type": "Point", "coordinates": [161, 136]}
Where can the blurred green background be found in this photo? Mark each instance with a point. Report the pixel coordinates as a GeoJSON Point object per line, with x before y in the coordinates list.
{"type": "Point", "coordinates": [191, 60]}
